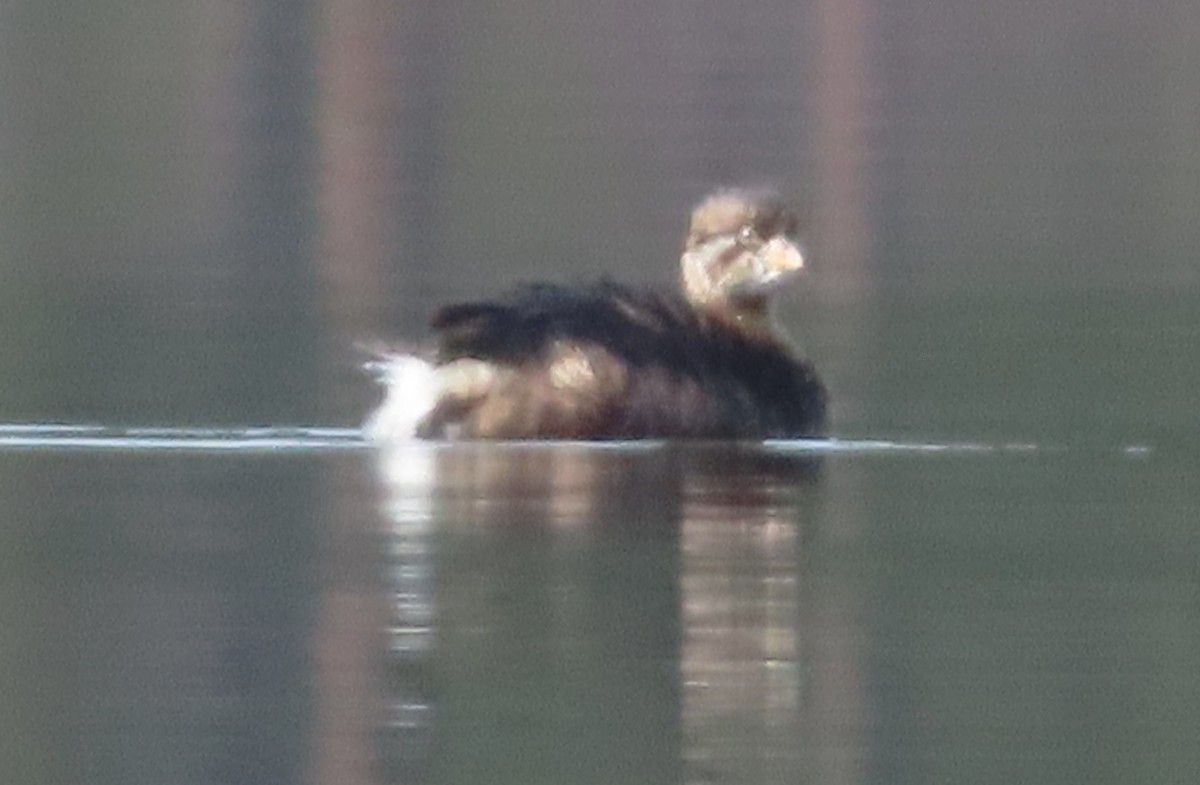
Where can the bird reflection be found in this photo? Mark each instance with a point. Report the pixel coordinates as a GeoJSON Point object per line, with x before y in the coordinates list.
{"type": "Point", "coordinates": [646, 595]}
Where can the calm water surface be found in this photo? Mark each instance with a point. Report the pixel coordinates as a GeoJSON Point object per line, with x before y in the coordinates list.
{"type": "Point", "coordinates": [655, 613]}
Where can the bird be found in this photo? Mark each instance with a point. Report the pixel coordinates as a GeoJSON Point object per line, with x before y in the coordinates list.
{"type": "Point", "coordinates": [608, 361]}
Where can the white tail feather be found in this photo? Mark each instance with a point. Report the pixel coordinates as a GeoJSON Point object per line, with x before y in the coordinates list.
{"type": "Point", "coordinates": [411, 393]}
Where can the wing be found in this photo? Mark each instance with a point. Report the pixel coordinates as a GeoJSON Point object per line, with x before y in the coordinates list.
{"type": "Point", "coordinates": [609, 361]}
{"type": "Point", "coordinates": [638, 326]}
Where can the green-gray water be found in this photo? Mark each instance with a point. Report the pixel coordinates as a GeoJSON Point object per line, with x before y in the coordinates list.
{"type": "Point", "coordinates": [990, 577]}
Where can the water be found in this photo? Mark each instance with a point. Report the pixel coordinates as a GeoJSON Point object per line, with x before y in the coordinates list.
{"type": "Point", "coordinates": [248, 606]}
{"type": "Point", "coordinates": [989, 575]}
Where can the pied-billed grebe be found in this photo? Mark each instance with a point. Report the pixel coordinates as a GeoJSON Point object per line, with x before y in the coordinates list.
{"type": "Point", "coordinates": [606, 361]}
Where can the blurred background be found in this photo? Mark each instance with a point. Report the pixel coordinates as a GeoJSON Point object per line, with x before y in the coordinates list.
{"type": "Point", "coordinates": [205, 205]}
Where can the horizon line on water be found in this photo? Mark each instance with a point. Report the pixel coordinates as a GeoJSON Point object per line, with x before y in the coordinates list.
{"type": "Point", "coordinates": [306, 438]}
{"type": "Point", "coordinates": [93, 437]}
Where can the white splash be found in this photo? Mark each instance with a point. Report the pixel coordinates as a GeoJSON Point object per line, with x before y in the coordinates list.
{"type": "Point", "coordinates": [411, 392]}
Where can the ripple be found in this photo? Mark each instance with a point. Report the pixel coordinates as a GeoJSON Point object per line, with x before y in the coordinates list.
{"type": "Point", "coordinates": [277, 438]}
{"type": "Point", "coordinates": [60, 436]}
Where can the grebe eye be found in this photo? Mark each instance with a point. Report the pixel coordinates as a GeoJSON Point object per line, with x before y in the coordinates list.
{"type": "Point", "coordinates": [747, 236]}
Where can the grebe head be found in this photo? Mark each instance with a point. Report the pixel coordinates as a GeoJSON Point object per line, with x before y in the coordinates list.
{"type": "Point", "coordinates": [739, 250]}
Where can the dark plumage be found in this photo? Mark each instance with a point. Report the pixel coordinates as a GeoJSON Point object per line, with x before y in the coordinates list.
{"type": "Point", "coordinates": [606, 361]}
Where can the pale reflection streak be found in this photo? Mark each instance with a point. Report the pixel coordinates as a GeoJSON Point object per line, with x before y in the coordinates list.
{"type": "Point", "coordinates": [561, 483]}
{"type": "Point", "coordinates": [429, 485]}
{"type": "Point", "coordinates": [407, 474]}
{"type": "Point", "coordinates": [740, 650]}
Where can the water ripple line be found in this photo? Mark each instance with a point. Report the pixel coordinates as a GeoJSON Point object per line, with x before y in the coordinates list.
{"type": "Point", "coordinates": [64, 436]}
{"type": "Point", "coordinates": [287, 438]}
